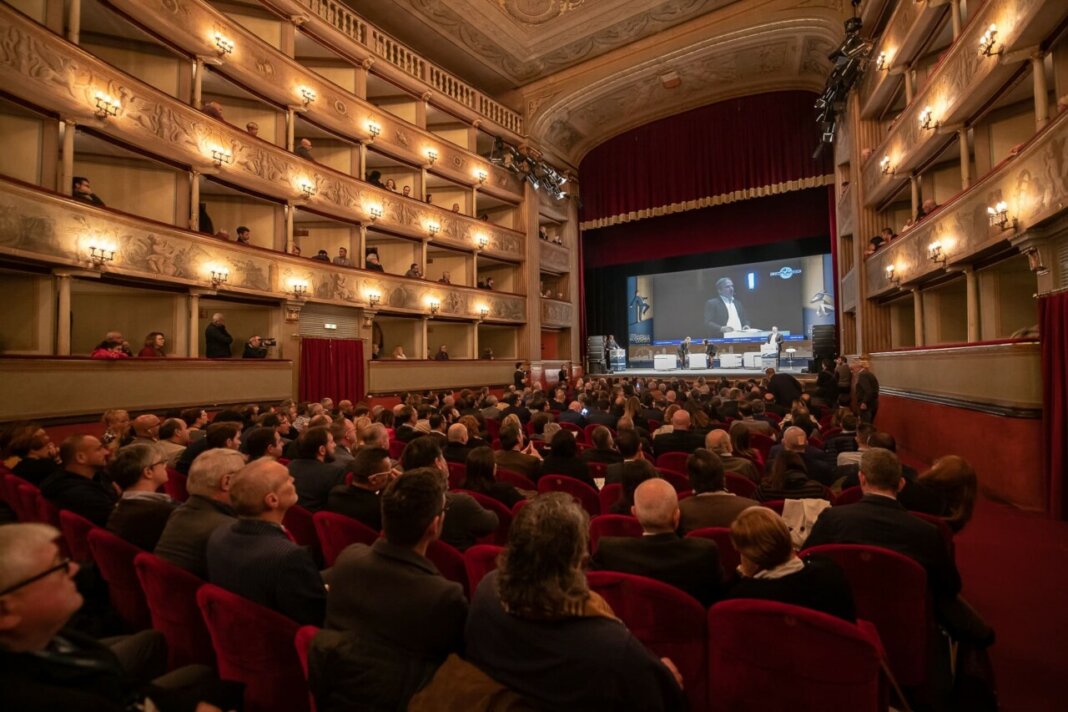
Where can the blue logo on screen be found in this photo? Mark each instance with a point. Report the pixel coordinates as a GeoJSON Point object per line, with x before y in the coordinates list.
{"type": "Point", "coordinates": [786, 272]}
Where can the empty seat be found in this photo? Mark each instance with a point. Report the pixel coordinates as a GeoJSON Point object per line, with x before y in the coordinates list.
{"type": "Point", "coordinates": [298, 522]}
{"type": "Point", "coordinates": [302, 644]}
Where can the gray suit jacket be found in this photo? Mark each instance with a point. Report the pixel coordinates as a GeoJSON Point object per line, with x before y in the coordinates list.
{"type": "Point", "coordinates": [711, 510]}
{"type": "Point", "coordinates": [184, 541]}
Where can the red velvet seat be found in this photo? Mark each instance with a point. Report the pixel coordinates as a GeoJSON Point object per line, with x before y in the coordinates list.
{"type": "Point", "coordinates": [479, 560]}
{"type": "Point", "coordinates": [597, 469]}
{"type": "Point", "coordinates": [519, 505]}
{"type": "Point", "coordinates": [49, 514]}
{"type": "Point", "coordinates": [676, 479]}
{"type": "Point", "coordinates": [457, 474]}
{"type": "Point", "coordinates": [609, 495]}
{"type": "Point", "coordinates": [673, 461]}
{"type": "Point", "coordinates": [11, 484]}
{"type": "Point", "coordinates": [504, 517]}
{"type": "Point", "coordinates": [890, 590]}
{"type": "Point", "coordinates": [449, 561]}
{"type": "Point", "coordinates": [255, 646]}
{"type": "Point", "coordinates": [175, 485]}
{"type": "Point", "coordinates": [654, 425]}
{"type": "Point", "coordinates": [115, 560]}
{"type": "Point", "coordinates": [740, 485]}
{"type": "Point", "coordinates": [943, 530]}
{"type": "Point", "coordinates": [849, 495]}
{"type": "Point", "coordinates": [613, 525]}
{"type": "Point", "coordinates": [761, 443]}
{"type": "Point", "coordinates": [815, 441]}
{"type": "Point", "coordinates": [764, 655]}
{"type": "Point", "coordinates": [669, 622]}
{"type": "Point", "coordinates": [337, 531]}
{"type": "Point", "coordinates": [171, 593]}
{"type": "Point", "coordinates": [580, 434]}
{"type": "Point", "coordinates": [26, 496]}
{"type": "Point", "coordinates": [586, 495]}
{"type": "Point", "coordinates": [76, 530]}
{"type": "Point", "coordinates": [728, 556]}
{"type": "Point", "coordinates": [588, 431]}
{"type": "Point", "coordinates": [516, 480]}
{"type": "Point", "coordinates": [396, 448]}
{"type": "Point", "coordinates": [302, 643]}
{"type": "Point", "coordinates": [493, 428]}
{"type": "Point", "coordinates": [829, 433]}
{"type": "Point", "coordinates": [775, 505]}
{"type": "Point", "coordinates": [298, 522]}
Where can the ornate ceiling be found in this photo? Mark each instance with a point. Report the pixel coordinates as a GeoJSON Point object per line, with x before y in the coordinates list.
{"type": "Point", "coordinates": [586, 70]}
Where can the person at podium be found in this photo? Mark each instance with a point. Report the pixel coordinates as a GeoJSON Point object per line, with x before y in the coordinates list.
{"type": "Point", "coordinates": [775, 339]}
{"type": "Point", "coordinates": [724, 313]}
{"type": "Point", "coordinates": [684, 352]}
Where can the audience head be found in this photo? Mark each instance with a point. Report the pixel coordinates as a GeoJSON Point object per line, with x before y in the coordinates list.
{"type": "Point", "coordinates": [481, 469]}
{"type": "Point", "coordinates": [794, 439]}
{"type": "Point", "coordinates": [146, 426]}
{"type": "Point", "coordinates": [788, 461]}
{"type": "Point", "coordinates": [80, 184]}
{"type": "Point", "coordinates": [457, 433]}
{"type": "Point", "coordinates": [376, 435]}
{"type": "Point", "coordinates": [880, 472]}
{"type": "Point", "coordinates": [762, 540]}
{"type": "Point", "coordinates": [563, 445]}
{"type": "Point", "coordinates": [83, 455]}
{"type": "Point", "coordinates": [680, 420]}
{"type": "Point", "coordinates": [423, 452]}
{"type": "Point", "coordinates": [368, 462]}
{"type": "Point", "coordinates": [138, 467]}
{"type": "Point", "coordinates": [629, 444]}
{"type": "Point", "coordinates": [413, 507]}
{"type": "Point", "coordinates": [174, 430]}
{"type": "Point", "coordinates": [225, 434]}
{"type": "Point", "coordinates": [602, 438]}
{"type": "Point", "coordinates": [316, 444]}
{"type": "Point", "coordinates": [706, 471]}
{"type": "Point", "coordinates": [511, 437]}
{"type": "Point", "coordinates": [719, 442]}
{"type": "Point", "coordinates": [263, 442]}
{"type": "Point", "coordinates": [656, 505]}
{"type": "Point", "coordinates": [30, 441]}
{"type": "Point", "coordinates": [955, 480]}
{"type": "Point", "coordinates": [211, 473]}
{"type": "Point", "coordinates": [540, 571]}
{"type": "Point", "coordinates": [155, 340]}
{"type": "Point", "coordinates": [262, 489]}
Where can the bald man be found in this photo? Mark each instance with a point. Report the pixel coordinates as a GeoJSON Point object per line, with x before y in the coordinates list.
{"type": "Point", "coordinates": [456, 448]}
{"type": "Point", "coordinates": [146, 429]}
{"type": "Point", "coordinates": [680, 439]}
{"type": "Point", "coordinates": [719, 442]}
{"type": "Point", "coordinates": [255, 558]}
{"type": "Point", "coordinates": [818, 464]}
{"type": "Point", "coordinates": [691, 564]}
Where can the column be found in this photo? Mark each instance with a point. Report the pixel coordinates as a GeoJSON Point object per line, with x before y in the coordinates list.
{"type": "Point", "coordinates": [74, 21]}
{"type": "Point", "coordinates": [1038, 74]}
{"type": "Point", "coordinates": [360, 87]}
{"type": "Point", "coordinates": [291, 120]}
{"type": "Point", "coordinates": [917, 312]}
{"type": "Point", "coordinates": [359, 166]}
{"type": "Point", "coordinates": [954, 16]}
{"type": "Point", "coordinates": [289, 228]}
{"type": "Point", "coordinates": [198, 82]}
{"type": "Point", "coordinates": [472, 136]}
{"type": "Point", "coordinates": [528, 276]}
{"type": "Point", "coordinates": [965, 158]}
{"type": "Point", "coordinates": [359, 249]}
{"type": "Point", "coordinates": [421, 109]}
{"type": "Point", "coordinates": [910, 86]}
{"type": "Point", "coordinates": [914, 185]}
{"type": "Point", "coordinates": [972, 284]}
{"type": "Point", "coordinates": [194, 325]}
{"type": "Point", "coordinates": [472, 202]}
{"type": "Point", "coordinates": [194, 200]}
{"type": "Point", "coordinates": [62, 281]}
{"type": "Point", "coordinates": [66, 173]}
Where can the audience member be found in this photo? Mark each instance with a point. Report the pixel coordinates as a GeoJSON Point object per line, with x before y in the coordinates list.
{"type": "Point", "coordinates": [342, 258]}
{"type": "Point", "coordinates": [262, 442]}
{"type": "Point", "coordinates": [456, 447]}
{"type": "Point", "coordinates": [719, 442]}
{"type": "Point", "coordinates": [82, 486]}
{"type": "Point", "coordinates": [254, 348]}
{"type": "Point", "coordinates": [414, 272]}
{"type": "Point", "coordinates": [344, 432]}
{"type": "Point", "coordinates": [371, 471]}
{"type": "Point", "coordinates": [516, 457]}
{"type": "Point", "coordinates": [443, 353]}
{"type": "Point", "coordinates": [371, 262]}
{"type": "Point", "coordinates": [480, 475]}
{"type": "Point", "coordinates": [604, 448]}
{"type": "Point", "coordinates": [771, 570]}
{"type": "Point", "coordinates": [680, 439]}
{"type": "Point", "coordinates": [954, 481]}
{"type": "Point", "coordinates": [225, 425]}
{"type": "Point", "coordinates": [217, 339]}
{"type": "Point", "coordinates": [711, 505]}
{"type": "Point", "coordinates": [391, 185]}
{"type": "Point", "coordinates": [145, 429]}
{"type": "Point", "coordinates": [213, 109]}
{"type": "Point", "coordinates": [445, 279]}
{"type": "Point", "coordinates": [691, 564]}
{"type": "Point", "coordinates": [153, 347]}
{"type": "Point", "coordinates": [630, 449]}
{"type": "Point", "coordinates": [244, 235]}
{"type": "Point", "coordinates": [321, 256]}
{"type": "Point", "coordinates": [141, 513]}
{"type": "Point", "coordinates": [815, 461]}
{"type": "Point", "coordinates": [255, 558]}
{"type": "Point", "coordinates": [634, 473]}
{"type": "Point", "coordinates": [391, 617]}
{"type": "Point", "coordinates": [314, 470]}
{"type": "Point", "coordinates": [38, 456]}
{"type": "Point", "coordinates": [563, 459]}
{"type": "Point", "coordinates": [375, 178]}
{"type": "Point", "coordinates": [398, 352]}
{"type": "Point", "coordinates": [252, 128]}
{"type": "Point", "coordinates": [789, 480]}
{"type": "Point", "coordinates": [535, 627]}
{"type": "Point", "coordinates": [205, 226]}
{"type": "Point", "coordinates": [81, 190]}
{"type": "Point", "coordinates": [184, 540]}
{"type": "Point", "coordinates": [304, 149]}
{"type": "Point", "coordinates": [173, 440]}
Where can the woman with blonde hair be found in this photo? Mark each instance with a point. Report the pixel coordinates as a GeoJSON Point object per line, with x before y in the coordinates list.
{"type": "Point", "coordinates": [398, 352]}
{"type": "Point", "coordinates": [116, 426]}
{"type": "Point", "coordinates": [772, 571]}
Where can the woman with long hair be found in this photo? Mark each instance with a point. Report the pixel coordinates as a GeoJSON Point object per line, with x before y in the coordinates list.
{"type": "Point", "coordinates": [955, 482]}
{"type": "Point", "coordinates": [154, 344]}
{"type": "Point", "coordinates": [481, 477]}
{"type": "Point", "coordinates": [789, 480]}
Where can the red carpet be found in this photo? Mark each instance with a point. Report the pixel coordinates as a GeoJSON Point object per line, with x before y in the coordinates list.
{"type": "Point", "coordinates": [1013, 566]}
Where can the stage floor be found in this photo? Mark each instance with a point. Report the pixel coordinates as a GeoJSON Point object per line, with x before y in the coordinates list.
{"type": "Point", "coordinates": [797, 370]}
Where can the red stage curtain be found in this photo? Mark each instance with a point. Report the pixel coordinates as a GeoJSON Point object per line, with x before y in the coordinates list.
{"type": "Point", "coordinates": [331, 367]}
{"type": "Point", "coordinates": [759, 221]}
{"type": "Point", "coordinates": [1053, 322]}
{"type": "Point", "coordinates": [746, 143]}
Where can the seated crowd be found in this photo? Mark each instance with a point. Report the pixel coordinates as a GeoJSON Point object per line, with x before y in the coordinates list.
{"type": "Point", "coordinates": [394, 629]}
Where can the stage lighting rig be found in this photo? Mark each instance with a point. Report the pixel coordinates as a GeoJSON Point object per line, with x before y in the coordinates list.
{"type": "Point", "coordinates": [529, 168]}
{"type": "Point", "coordinates": [850, 62]}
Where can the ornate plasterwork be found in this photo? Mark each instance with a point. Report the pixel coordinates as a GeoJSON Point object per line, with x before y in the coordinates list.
{"type": "Point", "coordinates": [554, 313]}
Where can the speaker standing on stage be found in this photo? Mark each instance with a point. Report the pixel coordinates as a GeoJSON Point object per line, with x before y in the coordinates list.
{"type": "Point", "coordinates": [684, 351]}
{"type": "Point", "coordinates": [775, 339]}
{"type": "Point", "coordinates": [710, 351]}
{"type": "Point", "coordinates": [724, 314]}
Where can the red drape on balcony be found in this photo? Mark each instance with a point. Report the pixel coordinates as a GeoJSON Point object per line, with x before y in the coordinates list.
{"type": "Point", "coordinates": [331, 367]}
{"type": "Point", "coordinates": [1053, 322]}
{"type": "Point", "coordinates": [742, 148]}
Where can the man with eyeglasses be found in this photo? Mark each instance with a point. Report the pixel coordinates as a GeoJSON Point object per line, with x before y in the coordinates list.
{"type": "Point", "coordinates": [392, 618]}
{"type": "Point", "coordinates": [140, 471]}
{"type": "Point", "coordinates": [45, 666]}
{"type": "Point", "coordinates": [371, 471]}
{"type": "Point", "coordinates": [82, 486]}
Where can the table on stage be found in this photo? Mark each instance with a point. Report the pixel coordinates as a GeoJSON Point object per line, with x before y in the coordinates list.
{"type": "Point", "coordinates": [697, 361]}
{"type": "Point", "coordinates": [665, 362]}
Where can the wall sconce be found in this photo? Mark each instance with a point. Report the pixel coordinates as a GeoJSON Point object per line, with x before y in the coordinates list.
{"type": "Point", "coordinates": [988, 41]}
{"type": "Point", "coordinates": [483, 312]}
{"type": "Point", "coordinates": [224, 44]}
{"type": "Point", "coordinates": [374, 299]}
{"type": "Point", "coordinates": [935, 253]}
{"type": "Point", "coordinates": [431, 155]}
{"type": "Point", "coordinates": [483, 242]}
{"type": "Point", "coordinates": [927, 120]}
{"type": "Point", "coordinates": [100, 256]}
{"type": "Point", "coordinates": [892, 275]}
{"type": "Point", "coordinates": [482, 176]}
{"type": "Point", "coordinates": [220, 156]}
{"type": "Point", "coordinates": [435, 307]}
{"type": "Point", "coordinates": [374, 129]}
{"type": "Point", "coordinates": [219, 276]}
{"type": "Point", "coordinates": [999, 216]}
{"type": "Point", "coordinates": [106, 106]}
{"type": "Point", "coordinates": [375, 211]}
{"type": "Point", "coordinates": [882, 62]}
{"type": "Point", "coordinates": [885, 166]}
{"type": "Point", "coordinates": [300, 289]}
{"type": "Point", "coordinates": [433, 229]}
{"type": "Point", "coordinates": [307, 188]}
{"type": "Point", "coordinates": [308, 95]}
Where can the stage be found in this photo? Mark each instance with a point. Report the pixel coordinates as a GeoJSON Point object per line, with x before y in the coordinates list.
{"type": "Point", "coordinates": [797, 369]}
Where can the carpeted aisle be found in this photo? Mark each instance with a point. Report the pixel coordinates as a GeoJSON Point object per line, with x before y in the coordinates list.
{"type": "Point", "coordinates": [1015, 570]}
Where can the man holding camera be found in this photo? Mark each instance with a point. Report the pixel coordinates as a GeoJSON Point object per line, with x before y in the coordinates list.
{"type": "Point", "coordinates": [256, 347]}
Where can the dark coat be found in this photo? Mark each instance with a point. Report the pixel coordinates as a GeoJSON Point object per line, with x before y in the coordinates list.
{"type": "Point", "coordinates": [35, 470]}
{"type": "Point", "coordinates": [314, 480]}
{"type": "Point", "coordinates": [141, 520]}
{"type": "Point", "coordinates": [362, 505]}
{"type": "Point", "coordinates": [820, 586]}
{"type": "Point", "coordinates": [570, 466]}
{"type": "Point", "coordinates": [467, 521]}
{"type": "Point", "coordinates": [184, 541]}
{"type": "Point", "coordinates": [691, 564]}
{"type": "Point", "coordinates": [93, 499]}
{"type": "Point", "coordinates": [677, 441]}
{"type": "Point", "coordinates": [716, 315]}
{"type": "Point", "coordinates": [785, 388]}
{"type": "Point", "coordinates": [217, 341]}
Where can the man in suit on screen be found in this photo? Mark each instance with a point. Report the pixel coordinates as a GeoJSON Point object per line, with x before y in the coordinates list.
{"type": "Point", "coordinates": [723, 313]}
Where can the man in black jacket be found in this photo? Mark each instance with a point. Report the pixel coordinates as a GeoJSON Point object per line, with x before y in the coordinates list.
{"type": "Point", "coordinates": [866, 392]}
{"type": "Point", "coordinates": [217, 339]}
{"type": "Point", "coordinates": [680, 439]}
{"type": "Point", "coordinates": [370, 470]}
{"type": "Point", "coordinates": [82, 487]}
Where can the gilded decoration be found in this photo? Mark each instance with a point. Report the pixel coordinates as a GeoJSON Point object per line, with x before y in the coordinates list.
{"type": "Point", "coordinates": [555, 313]}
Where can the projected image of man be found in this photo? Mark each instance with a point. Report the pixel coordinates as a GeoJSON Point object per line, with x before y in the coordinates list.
{"type": "Point", "coordinates": [724, 314]}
